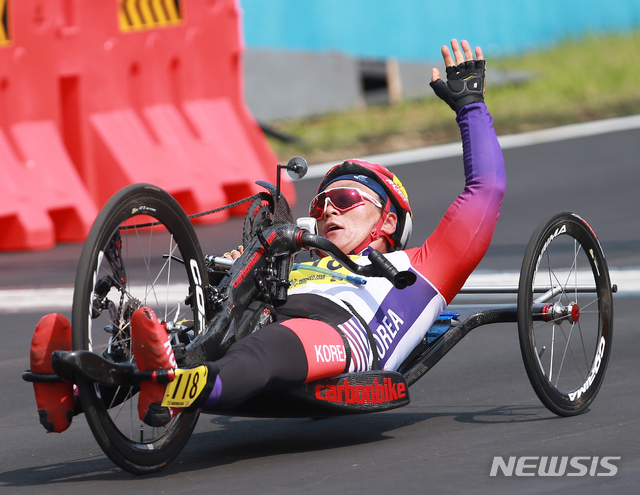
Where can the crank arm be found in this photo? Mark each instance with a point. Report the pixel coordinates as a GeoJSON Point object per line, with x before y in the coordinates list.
{"type": "Point", "coordinates": [86, 365]}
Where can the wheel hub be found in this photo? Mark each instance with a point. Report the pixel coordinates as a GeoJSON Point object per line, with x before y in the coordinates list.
{"type": "Point", "coordinates": [558, 312]}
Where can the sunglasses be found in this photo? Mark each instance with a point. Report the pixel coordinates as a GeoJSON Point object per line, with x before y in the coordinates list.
{"type": "Point", "coordinates": [342, 199]}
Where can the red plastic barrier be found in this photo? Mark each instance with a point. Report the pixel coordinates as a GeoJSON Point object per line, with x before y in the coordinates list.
{"type": "Point", "coordinates": [179, 158]}
{"type": "Point", "coordinates": [130, 91]}
{"type": "Point", "coordinates": [20, 226]}
{"type": "Point", "coordinates": [41, 196]}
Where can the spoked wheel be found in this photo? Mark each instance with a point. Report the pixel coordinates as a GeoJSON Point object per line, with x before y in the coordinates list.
{"type": "Point", "coordinates": [565, 313]}
{"type": "Point", "coordinates": [141, 251]}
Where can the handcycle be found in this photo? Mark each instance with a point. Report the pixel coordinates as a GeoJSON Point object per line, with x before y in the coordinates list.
{"type": "Point", "coordinates": [143, 251]}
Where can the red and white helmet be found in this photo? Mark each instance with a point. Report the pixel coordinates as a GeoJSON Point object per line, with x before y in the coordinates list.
{"type": "Point", "coordinates": [384, 184]}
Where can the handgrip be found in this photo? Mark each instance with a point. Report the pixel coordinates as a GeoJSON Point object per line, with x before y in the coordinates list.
{"type": "Point", "coordinates": [385, 268]}
{"type": "Point", "coordinates": [379, 267]}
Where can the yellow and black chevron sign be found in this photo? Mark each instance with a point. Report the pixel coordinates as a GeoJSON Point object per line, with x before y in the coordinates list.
{"type": "Point", "coordinates": [4, 26]}
{"type": "Point", "coordinates": [135, 15]}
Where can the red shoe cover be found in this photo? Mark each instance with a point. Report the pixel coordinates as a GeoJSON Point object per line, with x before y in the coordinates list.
{"type": "Point", "coordinates": [54, 400]}
{"type": "Point", "coordinates": [152, 350]}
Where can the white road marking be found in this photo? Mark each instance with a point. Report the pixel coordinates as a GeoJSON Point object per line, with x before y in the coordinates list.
{"type": "Point", "coordinates": [60, 298]}
{"type": "Point", "coordinates": [572, 131]}
{"type": "Point", "coordinates": [22, 300]}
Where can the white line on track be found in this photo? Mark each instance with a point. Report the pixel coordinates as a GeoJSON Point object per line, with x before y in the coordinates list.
{"type": "Point", "coordinates": [626, 279]}
{"type": "Point", "coordinates": [506, 142]}
{"type": "Point", "coordinates": [60, 298]}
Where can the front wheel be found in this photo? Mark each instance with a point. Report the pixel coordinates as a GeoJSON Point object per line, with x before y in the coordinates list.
{"type": "Point", "coordinates": [141, 251]}
{"type": "Point", "coordinates": [565, 313]}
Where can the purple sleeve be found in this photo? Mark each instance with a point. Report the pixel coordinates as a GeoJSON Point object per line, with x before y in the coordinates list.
{"type": "Point", "coordinates": [463, 236]}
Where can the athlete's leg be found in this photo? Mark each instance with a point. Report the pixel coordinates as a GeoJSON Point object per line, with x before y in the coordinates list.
{"type": "Point", "coordinates": [276, 357]}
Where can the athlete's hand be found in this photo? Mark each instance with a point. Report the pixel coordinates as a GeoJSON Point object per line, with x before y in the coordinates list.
{"type": "Point", "coordinates": [234, 254]}
{"type": "Point", "coordinates": [465, 76]}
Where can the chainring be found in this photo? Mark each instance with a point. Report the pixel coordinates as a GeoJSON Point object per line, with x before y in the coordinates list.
{"type": "Point", "coordinates": [259, 216]}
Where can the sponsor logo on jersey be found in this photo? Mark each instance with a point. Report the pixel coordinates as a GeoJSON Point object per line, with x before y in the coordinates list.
{"type": "Point", "coordinates": [307, 272]}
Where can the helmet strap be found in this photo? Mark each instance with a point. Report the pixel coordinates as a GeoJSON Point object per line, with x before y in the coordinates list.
{"type": "Point", "coordinates": [376, 232]}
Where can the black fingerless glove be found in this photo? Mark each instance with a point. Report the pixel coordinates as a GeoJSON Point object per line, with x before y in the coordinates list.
{"type": "Point", "coordinates": [465, 84]}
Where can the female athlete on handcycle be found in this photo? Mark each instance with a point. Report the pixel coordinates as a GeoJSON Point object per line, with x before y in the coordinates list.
{"type": "Point", "coordinates": [329, 326]}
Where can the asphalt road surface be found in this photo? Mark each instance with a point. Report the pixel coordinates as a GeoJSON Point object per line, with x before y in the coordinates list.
{"type": "Point", "coordinates": [474, 406]}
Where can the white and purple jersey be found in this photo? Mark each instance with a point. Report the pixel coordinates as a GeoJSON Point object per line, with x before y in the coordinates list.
{"type": "Point", "coordinates": [399, 319]}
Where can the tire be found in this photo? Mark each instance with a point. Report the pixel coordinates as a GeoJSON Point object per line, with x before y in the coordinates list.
{"type": "Point", "coordinates": [122, 246]}
{"type": "Point", "coordinates": [565, 338]}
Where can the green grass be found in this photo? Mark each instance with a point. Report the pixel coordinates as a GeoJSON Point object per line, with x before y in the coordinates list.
{"type": "Point", "coordinates": [577, 81]}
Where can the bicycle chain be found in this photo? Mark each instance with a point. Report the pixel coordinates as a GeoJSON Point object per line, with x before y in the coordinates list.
{"type": "Point", "coordinates": [196, 215]}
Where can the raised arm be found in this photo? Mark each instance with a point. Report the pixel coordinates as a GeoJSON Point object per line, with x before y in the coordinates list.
{"type": "Point", "coordinates": [463, 236]}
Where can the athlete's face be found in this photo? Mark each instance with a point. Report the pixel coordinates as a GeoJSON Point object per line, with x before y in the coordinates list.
{"type": "Point", "coordinates": [348, 229]}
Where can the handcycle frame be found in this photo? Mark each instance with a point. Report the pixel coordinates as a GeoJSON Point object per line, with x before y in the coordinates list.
{"type": "Point", "coordinates": [233, 307]}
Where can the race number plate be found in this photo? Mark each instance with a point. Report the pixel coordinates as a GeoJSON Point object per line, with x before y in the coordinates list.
{"type": "Point", "coordinates": [186, 387]}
